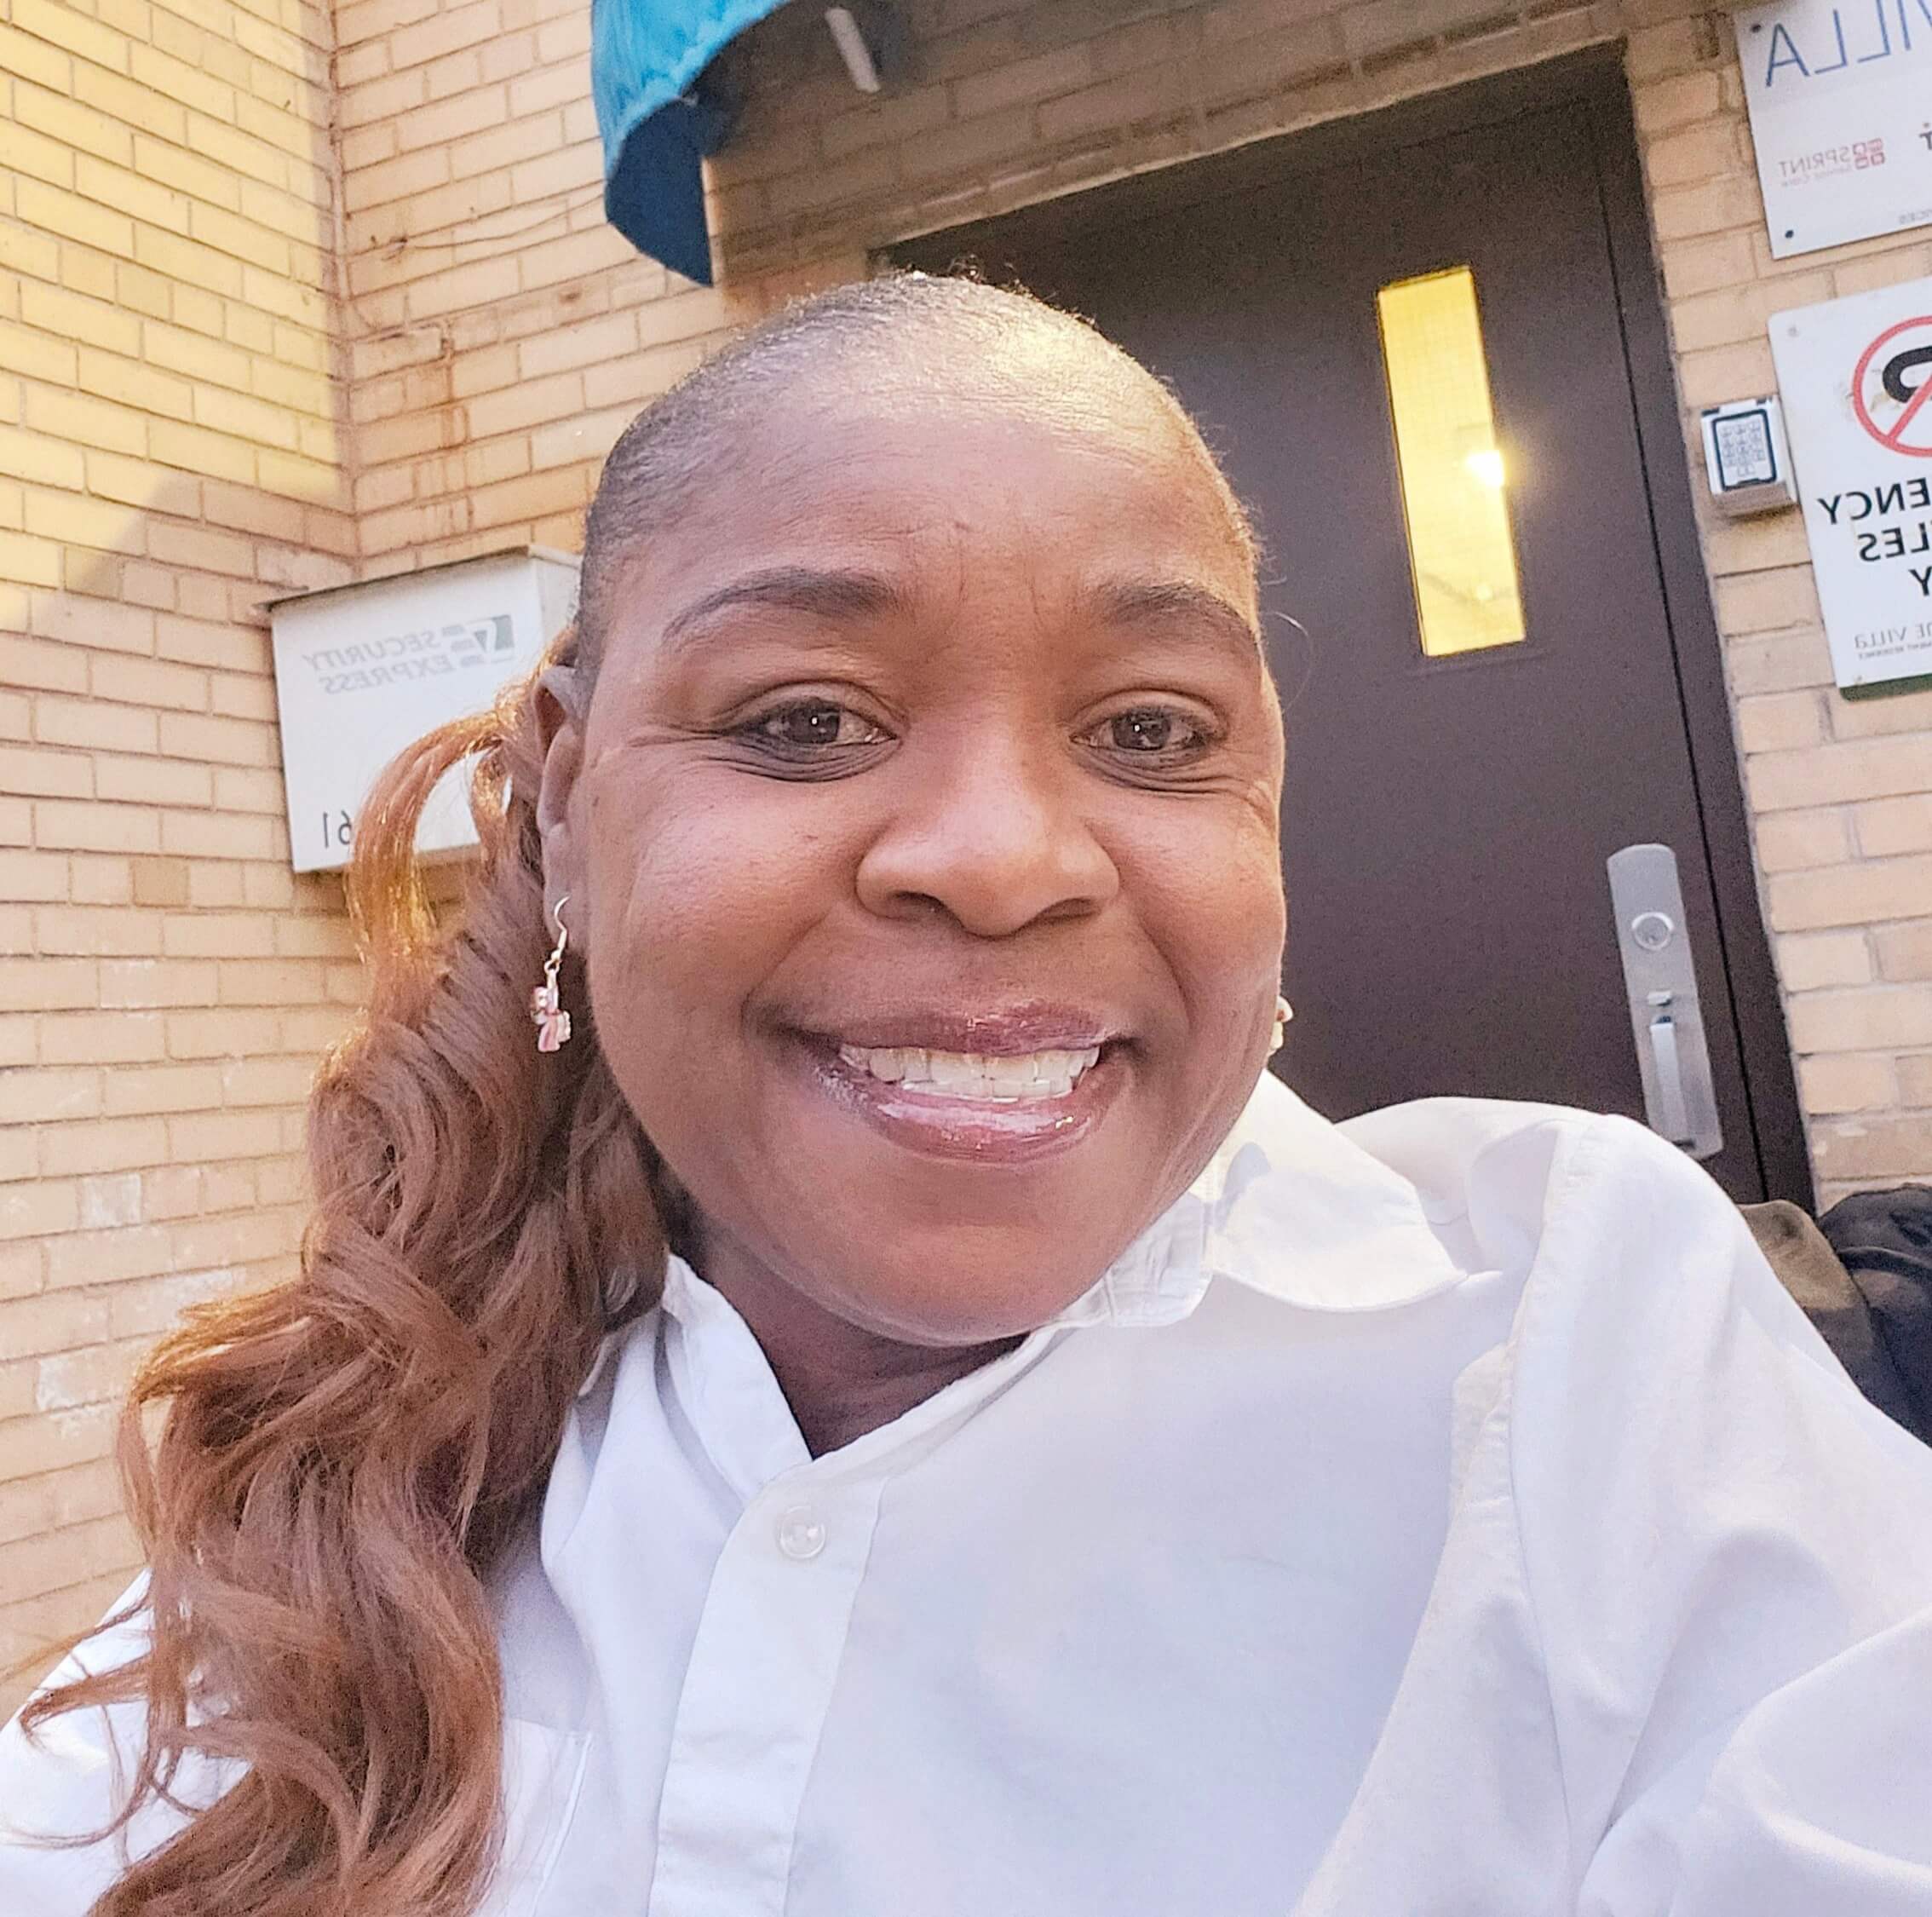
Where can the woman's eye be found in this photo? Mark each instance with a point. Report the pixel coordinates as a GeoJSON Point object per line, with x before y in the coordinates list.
{"type": "Point", "coordinates": [1149, 732]}
{"type": "Point", "coordinates": [813, 724]}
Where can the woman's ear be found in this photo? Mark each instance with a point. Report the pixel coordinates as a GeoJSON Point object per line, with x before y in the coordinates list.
{"type": "Point", "coordinates": [561, 703]}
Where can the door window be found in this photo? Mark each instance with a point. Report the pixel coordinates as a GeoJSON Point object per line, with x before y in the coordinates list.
{"type": "Point", "coordinates": [1462, 557]}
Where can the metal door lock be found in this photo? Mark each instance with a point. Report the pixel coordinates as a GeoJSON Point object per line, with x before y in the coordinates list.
{"type": "Point", "coordinates": [1679, 1099]}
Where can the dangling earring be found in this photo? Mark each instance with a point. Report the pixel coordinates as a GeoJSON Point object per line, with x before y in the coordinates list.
{"type": "Point", "coordinates": [1282, 1012]}
{"type": "Point", "coordinates": [546, 1002]}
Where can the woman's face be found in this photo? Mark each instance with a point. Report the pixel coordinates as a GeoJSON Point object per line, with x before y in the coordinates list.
{"type": "Point", "coordinates": [922, 848]}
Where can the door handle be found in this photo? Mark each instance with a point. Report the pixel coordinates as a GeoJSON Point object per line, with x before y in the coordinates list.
{"type": "Point", "coordinates": [1672, 1118]}
{"type": "Point", "coordinates": [1660, 983]}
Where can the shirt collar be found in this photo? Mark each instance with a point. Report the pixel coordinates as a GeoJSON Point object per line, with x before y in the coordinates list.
{"type": "Point", "coordinates": [1289, 1205]}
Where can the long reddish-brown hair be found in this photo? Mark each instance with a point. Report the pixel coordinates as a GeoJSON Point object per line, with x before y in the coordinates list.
{"type": "Point", "coordinates": [343, 1459]}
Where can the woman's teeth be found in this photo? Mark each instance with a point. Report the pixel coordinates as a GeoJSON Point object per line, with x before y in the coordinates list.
{"type": "Point", "coordinates": [1003, 1080]}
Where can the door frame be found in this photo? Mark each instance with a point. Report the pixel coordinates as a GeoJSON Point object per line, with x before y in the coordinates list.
{"type": "Point", "coordinates": [1593, 80]}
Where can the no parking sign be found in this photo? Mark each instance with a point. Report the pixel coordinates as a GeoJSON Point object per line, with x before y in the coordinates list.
{"type": "Point", "coordinates": [1856, 379]}
{"type": "Point", "coordinates": [1893, 383]}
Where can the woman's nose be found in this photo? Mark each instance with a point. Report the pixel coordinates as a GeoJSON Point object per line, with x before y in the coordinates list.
{"type": "Point", "coordinates": [994, 839]}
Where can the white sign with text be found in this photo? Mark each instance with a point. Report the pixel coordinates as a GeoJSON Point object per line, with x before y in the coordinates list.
{"type": "Point", "coordinates": [1840, 93]}
{"type": "Point", "coordinates": [1856, 379]}
{"type": "Point", "coordinates": [362, 671]}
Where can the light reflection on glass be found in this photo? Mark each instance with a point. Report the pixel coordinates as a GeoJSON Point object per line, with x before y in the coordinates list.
{"type": "Point", "coordinates": [1454, 478]}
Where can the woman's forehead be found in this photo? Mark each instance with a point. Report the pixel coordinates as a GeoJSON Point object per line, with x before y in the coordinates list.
{"type": "Point", "coordinates": [918, 472]}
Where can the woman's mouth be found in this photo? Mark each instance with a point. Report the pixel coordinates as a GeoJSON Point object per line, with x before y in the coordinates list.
{"type": "Point", "coordinates": [1043, 1085]}
{"type": "Point", "coordinates": [976, 1077]}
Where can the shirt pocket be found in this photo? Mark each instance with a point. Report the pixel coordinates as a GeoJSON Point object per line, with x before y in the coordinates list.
{"type": "Point", "coordinates": [543, 1774]}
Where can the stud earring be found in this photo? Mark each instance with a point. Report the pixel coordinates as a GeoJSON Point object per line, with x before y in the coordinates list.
{"type": "Point", "coordinates": [1282, 1012]}
{"type": "Point", "coordinates": [546, 1002]}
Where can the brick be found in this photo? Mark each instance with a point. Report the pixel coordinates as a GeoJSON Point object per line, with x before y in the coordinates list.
{"type": "Point", "coordinates": [1876, 1018]}
{"type": "Point", "coordinates": [89, 422]}
{"type": "Point", "coordinates": [134, 193]}
{"type": "Point", "coordinates": [1877, 718]}
{"type": "Point", "coordinates": [33, 769]}
{"type": "Point", "coordinates": [95, 827]}
{"type": "Point", "coordinates": [96, 879]}
{"type": "Point", "coordinates": [200, 547]}
{"type": "Point", "coordinates": [163, 1089]}
{"type": "Point", "coordinates": [195, 356]}
{"type": "Point", "coordinates": [66, 1381]}
{"type": "Point", "coordinates": [28, 876]}
{"type": "Point", "coordinates": [1787, 841]}
{"type": "Point", "coordinates": [1767, 602]}
{"type": "Point", "coordinates": [54, 209]}
{"type": "Point", "coordinates": [1850, 895]}
{"type": "Point", "coordinates": [1889, 827]}
{"type": "Point", "coordinates": [30, 456]}
{"type": "Point", "coordinates": [100, 1037]}
{"type": "Point", "coordinates": [1915, 1079]}
{"type": "Point", "coordinates": [151, 781]}
{"type": "Point", "coordinates": [1850, 770]}
{"type": "Point", "coordinates": [32, 1211]}
{"type": "Point", "coordinates": [195, 450]}
{"type": "Point", "coordinates": [152, 682]}
{"type": "Point", "coordinates": [29, 663]}
{"type": "Point", "coordinates": [150, 1305]}
{"type": "Point", "coordinates": [1847, 1082]}
{"type": "Point", "coordinates": [29, 57]}
{"type": "Point", "coordinates": [96, 931]}
{"type": "Point", "coordinates": [36, 356]}
{"type": "Point", "coordinates": [29, 1446]}
{"type": "Point", "coordinates": [94, 524]}
{"type": "Point", "coordinates": [1889, 1147]}
{"type": "Point", "coordinates": [238, 1239]}
{"type": "Point", "coordinates": [1808, 960]}
{"type": "Point", "coordinates": [31, 154]}
{"type": "Point", "coordinates": [444, 33]}
{"type": "Point", "coordinates": [1709, 149]}
{"type": "Point", "coordinates": [101, 1144]}
{"type": "Point", "coordinates": [65, 27]}
{"type": "Point", "coordinates": [221, 1135]}
{"type": "Point", "coordinates": [32, 1504]}
{"type": "Point", "coordinates": [94, 723]}
{"type": "Point", "coordinates": [1904, 952]}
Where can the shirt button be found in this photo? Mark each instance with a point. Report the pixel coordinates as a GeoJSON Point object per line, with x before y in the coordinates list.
{"type": "Point", "coordinates": [800, 1535]}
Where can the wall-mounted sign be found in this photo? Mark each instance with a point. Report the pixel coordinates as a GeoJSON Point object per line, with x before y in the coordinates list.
{"type": "Point", "coordinates": [1840, 93]}
{"type": "Point", "coordinates": [1856, 377]}
{"type": "Point", "coordinates": [362, 671]}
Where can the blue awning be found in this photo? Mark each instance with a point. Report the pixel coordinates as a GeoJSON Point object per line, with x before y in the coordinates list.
{"type": "Point", "coordinates": [659, 118]}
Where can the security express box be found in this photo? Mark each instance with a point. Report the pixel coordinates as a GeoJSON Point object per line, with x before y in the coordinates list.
{"type": "Point", "coordinates": [363, 671]}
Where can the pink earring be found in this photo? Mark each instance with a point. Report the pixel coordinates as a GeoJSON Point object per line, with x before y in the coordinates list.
{"type": "Point", "coordinates": [546, 1002]}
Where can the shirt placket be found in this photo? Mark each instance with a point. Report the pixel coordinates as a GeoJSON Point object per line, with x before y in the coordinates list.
{"type": "Point", "coordinates": [756, 1692]}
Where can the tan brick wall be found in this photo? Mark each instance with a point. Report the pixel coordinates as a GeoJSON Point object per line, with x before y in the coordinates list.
{"type": "Point", "coordinates": [170, 455]}
{"type": "Point", "coordinates": [501, 333]}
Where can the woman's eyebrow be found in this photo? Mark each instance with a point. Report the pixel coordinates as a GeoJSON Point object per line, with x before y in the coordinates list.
{"type": "Point", "coordinates": [818, 592]}
{"type": "Point", "coordinates": [1177, 601]}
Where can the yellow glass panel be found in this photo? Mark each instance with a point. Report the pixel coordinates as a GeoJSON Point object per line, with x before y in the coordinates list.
{"type": "Point", "coordinates": [1454, 479]}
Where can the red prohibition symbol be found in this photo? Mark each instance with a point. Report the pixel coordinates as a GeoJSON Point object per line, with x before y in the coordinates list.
{"type": "Point", "coordinates": [1903, 369]}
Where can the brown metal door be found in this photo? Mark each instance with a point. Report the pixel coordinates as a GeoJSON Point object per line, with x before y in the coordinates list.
{"type": "Point", "coordinates": [1447, 820]}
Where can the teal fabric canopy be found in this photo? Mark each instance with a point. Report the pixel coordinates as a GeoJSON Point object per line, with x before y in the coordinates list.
{"type": "Point", "coordinates": [659, 117]}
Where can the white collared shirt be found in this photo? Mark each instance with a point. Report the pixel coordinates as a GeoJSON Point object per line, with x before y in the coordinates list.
{"type": "Point", "coordinates": [1443, 1513]}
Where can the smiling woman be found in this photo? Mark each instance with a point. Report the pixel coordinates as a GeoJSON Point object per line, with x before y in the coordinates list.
{"type": "Point", "coordinates": [889, 1410]}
